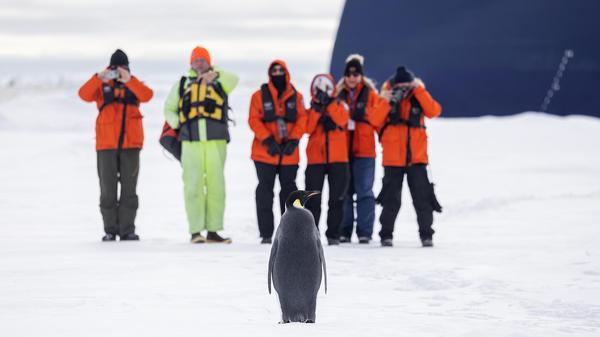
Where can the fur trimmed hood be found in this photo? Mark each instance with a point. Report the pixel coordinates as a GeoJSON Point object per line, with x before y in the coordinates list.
{"type": "Point", "coordinates": [365, 81]}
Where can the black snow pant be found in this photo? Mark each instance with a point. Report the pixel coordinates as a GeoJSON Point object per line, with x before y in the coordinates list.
{"type": "Point", "coordinates": [338, 177]}
{"type": "Point", "coordinates": [264, 193]}
{"type": "Point", "coordinates": [118, 212]}
{"type": "Point", "coordinates": [420, 190]}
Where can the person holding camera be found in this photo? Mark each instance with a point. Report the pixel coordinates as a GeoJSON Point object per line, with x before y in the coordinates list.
{"type": "Point", "coordinates": [404, 140]}
{"type": "Point", "coordinates": [360, 94]}
{"type": "Point", "coordinates": [278, 119]}
{"type": "Point", "coordinates": [119, 139]}
{"type": "Point", "coordinates": [197, 107]}
{"type": "Point", "coordinates": [327, 153]}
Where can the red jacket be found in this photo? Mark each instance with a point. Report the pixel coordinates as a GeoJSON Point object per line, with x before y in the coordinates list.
{"type": "Point", "coordinates": [363, 137]}
{"type": "Point", "coordinates": [110, 119]}
{"type": "Point", "coordinates": [395, 138]}
{"type": "Point", "coordinates": [317, 150]}
{"type": "Point", "coordinates": [265, 129]}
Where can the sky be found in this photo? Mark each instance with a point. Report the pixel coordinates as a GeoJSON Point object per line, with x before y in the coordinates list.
{"type": "Point", "coordinates": [233, 30]}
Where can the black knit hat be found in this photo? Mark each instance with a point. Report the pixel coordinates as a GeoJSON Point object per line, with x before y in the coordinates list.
{"type": "Point", "coordinates": [353, 63]}
{"type": "Point", "coordinates": [403, 75]}
{"type": "Point", "coordinates": [119, 58]}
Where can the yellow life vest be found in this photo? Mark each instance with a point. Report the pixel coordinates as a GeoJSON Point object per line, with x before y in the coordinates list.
{"type": "Point", "coordinates": [201, 100]}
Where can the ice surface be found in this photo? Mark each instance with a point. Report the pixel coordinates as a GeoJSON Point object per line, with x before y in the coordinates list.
{"type": "Point", "coordinates": [516, 250]}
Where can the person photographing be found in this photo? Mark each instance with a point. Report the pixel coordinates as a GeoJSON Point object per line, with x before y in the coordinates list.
{"type": "Point", "coordinates": [119, 140]}
{"type": "Point", "coordinates": [327, 153]}
{"type": "Point", "coordinates": [403, 136]}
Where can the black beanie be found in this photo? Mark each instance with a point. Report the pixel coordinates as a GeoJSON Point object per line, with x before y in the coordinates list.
{"type": "Point", "coordinates": [403, 75]}
{"type": "Point", "coordinates": [353, 63]}
{"type": "Point", "coordinates": [119, 58]}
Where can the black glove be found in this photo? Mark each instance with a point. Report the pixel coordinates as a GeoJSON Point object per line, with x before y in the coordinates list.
{"type": "Point", "coordinates": [320, 101]}
{"type": "Point", "coordinates": [290, 146]}
{"type": "Point", "coordinates": [328, 123]}
{"type": "Point", "coordinates": [272, 147]}
{"type": "Point", "coordinates": [317, 106]}
{"type": "Point", "coordinates": [322, 97]}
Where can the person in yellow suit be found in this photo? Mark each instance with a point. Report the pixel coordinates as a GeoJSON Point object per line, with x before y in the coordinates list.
{"type": "Point", "coordinates": [197, 106]}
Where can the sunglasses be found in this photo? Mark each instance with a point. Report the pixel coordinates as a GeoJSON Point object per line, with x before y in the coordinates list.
{"type": "Point", "coordinates": [353, 74]}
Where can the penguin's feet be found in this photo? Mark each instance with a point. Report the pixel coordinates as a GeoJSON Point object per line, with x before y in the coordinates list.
{"type": "Point", "coordinates": [284, 321]}
{"type": "Point", "coordinates": [309, 321]}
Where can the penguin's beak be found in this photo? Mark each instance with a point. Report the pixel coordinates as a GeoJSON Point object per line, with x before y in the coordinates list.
{"type": "Point", "coordinates": [308, 195]}
{"type": "Point", "coordinates": [312, 194]}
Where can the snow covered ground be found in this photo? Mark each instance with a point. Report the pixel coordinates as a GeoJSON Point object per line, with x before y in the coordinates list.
{"type": "Point", "coordinates": [516, 250]}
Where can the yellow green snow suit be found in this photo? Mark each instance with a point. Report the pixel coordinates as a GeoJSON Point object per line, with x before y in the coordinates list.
{"type": "Point", "coordinates": [203, 153]}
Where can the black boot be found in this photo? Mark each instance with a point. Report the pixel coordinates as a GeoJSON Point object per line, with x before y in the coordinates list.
{"type": "Point", "coordinates": [109, 237]}
{"type": "Point", "coordinates": [427, 242]}
{"type": "Point", "coordinates": [197, 238]}
{"type": "Point", "coordinates": [213, 237]}
{"type": "Point", "coordinates": [333, 242]}
{"type": "Point", "coordinates": [364, 239]}
{"type": "Point", "coordinates": [345, 239]}
{"type": "Point", "coordinates": [387, 243]}
{"type": "Point", "coordinates": [130, 237]}
{"type": "Point", "coordinates": [266, 241]}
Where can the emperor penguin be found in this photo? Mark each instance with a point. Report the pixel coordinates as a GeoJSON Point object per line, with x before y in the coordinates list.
{"type": "Point", "coordinates": [297, 263]}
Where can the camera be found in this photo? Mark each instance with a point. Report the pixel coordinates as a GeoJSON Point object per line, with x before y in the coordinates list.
{"type": "Point", "coordinates": [112, 74]}
{"type": "Point", "coordinates": [397, 96]}
{"type": "Point", "coordinates": [398, 93]}
{"type": "Point", "coordinates": [322, 97]}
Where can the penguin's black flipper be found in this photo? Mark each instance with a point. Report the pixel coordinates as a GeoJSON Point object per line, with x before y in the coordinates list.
{"type": "Point", "coordinates": [271, 263]}
{"type": "Point", "coordinates": [322, 258]}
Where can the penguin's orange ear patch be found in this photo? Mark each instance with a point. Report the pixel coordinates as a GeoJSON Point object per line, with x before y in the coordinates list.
{"type": "Point", "coordinates": [297, 203]}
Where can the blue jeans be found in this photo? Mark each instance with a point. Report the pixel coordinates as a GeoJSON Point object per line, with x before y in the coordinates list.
{"type": "Point", "coordinates": [362, 175]}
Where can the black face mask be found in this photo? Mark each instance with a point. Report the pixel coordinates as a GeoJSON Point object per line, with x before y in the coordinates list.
{"type": "Point", "coordinates": [279, 83]}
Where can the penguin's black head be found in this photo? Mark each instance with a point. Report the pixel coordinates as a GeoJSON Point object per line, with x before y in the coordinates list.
{"type": "Point", "coordinates": [299, 198]}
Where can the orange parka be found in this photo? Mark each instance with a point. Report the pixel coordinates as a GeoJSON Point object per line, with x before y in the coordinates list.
{"type": "Point", "coordinates": [404, 145]}
{"type": "Point", "coordinates": [110, 118]}
{"type": "Point", "coordinates": [264, 129]}
{"type": "Point", "coordinates": [326, 147]}
{"type": "Point", "coordinates": [362, 139]}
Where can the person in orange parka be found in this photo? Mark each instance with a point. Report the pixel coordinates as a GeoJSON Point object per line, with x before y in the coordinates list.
{"type": "Point", "coordinates": [327, 153]}
{"type": "Point", "coordinates": [278, 119]}
{"type": "Point", "coordinates": [119, 139]}
{"type": "Point", "coordinates": [404, 140]}
{"type": "Point", "coordinates": [361, 96]}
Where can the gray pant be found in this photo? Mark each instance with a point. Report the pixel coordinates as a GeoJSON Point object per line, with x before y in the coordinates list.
{"type": "Point", "coordinates": [118, 214]}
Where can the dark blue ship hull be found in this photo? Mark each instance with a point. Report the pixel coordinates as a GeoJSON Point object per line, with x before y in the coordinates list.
{"type": "Point", "coordinates": [481, 57]}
